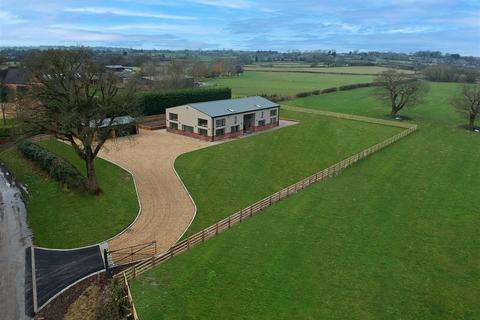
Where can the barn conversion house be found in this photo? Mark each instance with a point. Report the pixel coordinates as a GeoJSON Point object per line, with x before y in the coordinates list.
{"type": "Point", "coordinates": [221, 119]}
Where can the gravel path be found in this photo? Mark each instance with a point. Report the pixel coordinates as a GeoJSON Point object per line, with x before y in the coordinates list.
{"type": "Point", "coordinates": [167, 210]}
{"type": "Point", "coordinates": [15, 237]}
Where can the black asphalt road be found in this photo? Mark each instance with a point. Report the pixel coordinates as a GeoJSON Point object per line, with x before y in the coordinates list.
{"type": "Point", "coordinates": [55, 270]}
{"type": "Point", "coordinates": [15, 237]}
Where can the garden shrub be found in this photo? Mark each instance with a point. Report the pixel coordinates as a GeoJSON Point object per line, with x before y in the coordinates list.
{"type": "Point", "coordinates": [56, 167]}
{"type": "Point", "coordinates": [156, 102]}
{"type": "Point", "coordinates": [6, 131]}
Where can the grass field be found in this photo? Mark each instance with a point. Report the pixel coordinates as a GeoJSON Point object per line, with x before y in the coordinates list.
{"type": "Point", "coordinates": [64, 219]}
{"type": "Point", "coordinates": [284, 83]}
{"type": "Point", "coordinates": [247, 170]}
{"type": "Point", "coordinates": [393, 237]}
{"type": "Point", "coordinates": [369, 70]}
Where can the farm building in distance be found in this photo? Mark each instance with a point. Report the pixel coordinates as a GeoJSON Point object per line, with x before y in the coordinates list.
{"type": "Point", "coordinates": [222, 119]}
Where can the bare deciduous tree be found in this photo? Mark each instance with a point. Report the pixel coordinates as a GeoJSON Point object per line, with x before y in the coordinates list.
{"type": "Point", "coordinates": [468, 102]}
{"type": "Point", "coordinates": [77, 100]}
{"type": "Point", "coordinates": [4, 99]}
{"type": "Point", "coordinates": [399, 91]}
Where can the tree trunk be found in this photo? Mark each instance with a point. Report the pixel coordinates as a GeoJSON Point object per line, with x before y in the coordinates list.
{"type": "Point", "coordinates": [394, 112]}
{"type": "Point", "coordinates": [92, 184]}
{"type": "Point", "coordinates": [3, 114]}
{"type": "Point", "coordinates": [471, 124]}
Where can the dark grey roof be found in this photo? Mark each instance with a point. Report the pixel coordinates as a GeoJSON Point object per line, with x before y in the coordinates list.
{"type": "Point", "coordinates": [219, 108]}
{"type": "Point", "coordinates": [117, 121]}
{"type": "Point", "coordinates": [12, 75]}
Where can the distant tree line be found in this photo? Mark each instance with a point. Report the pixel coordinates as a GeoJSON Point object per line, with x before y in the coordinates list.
{"type": "Point", "coordinates": [137, 57]}
{"type": "Point", "coordinates": [448, 73]}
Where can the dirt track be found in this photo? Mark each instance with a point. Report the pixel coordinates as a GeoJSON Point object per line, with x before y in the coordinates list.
{"type": "Point", "coordinates": [166, 207]}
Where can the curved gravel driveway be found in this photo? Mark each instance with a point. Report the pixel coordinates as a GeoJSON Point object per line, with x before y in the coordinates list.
{"type": "Point", "coordinates": [166, 208]}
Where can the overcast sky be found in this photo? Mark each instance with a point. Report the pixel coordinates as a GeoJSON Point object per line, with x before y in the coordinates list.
{"type": "Point", "coordinates": [397, 25]}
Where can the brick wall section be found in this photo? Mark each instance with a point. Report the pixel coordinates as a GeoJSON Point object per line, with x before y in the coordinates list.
{"type": "Point", "coordinates": [228, 135]}
{"type": "Point", "coordinates": [191, 135]}
{"type": "Point", "coordinates": [265, 127]}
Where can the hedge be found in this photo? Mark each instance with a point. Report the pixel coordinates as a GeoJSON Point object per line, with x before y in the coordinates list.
{"type": "Point", "coordinates": [56, 167]}
{"type": "Point", "coordinates": [6, 131]}
{"type": "Point", "coordinates": [156, 102]}
{"type": "Point", "coordinates": [329, 90]}
{"type": "Point", "coordinates": [355, 86]}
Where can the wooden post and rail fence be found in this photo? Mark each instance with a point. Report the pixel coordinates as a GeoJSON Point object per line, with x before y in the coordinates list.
{"type": "Point", "coordinates": [224, 224]}
{"type": "Point", "coordinates": [133, 312]}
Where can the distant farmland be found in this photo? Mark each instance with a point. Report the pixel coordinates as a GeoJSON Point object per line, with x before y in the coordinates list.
{"type": "Point", "coordinates": [299, 67]}
{"type": "Point", "coordinates": [285, 83]}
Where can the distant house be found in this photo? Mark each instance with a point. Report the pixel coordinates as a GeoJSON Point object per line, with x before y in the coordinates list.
{"type": "Point", "coordinates": [117, 68]}
{"type": "Point", "coordinates": [122, 72]}
{"type": "Point", "coordinates": [221, 119]}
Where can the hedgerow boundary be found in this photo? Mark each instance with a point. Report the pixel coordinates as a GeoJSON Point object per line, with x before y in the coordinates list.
{"type": "Point", "coordinates": [226, 223]}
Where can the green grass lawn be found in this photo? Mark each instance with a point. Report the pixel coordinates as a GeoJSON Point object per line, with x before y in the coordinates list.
{"type": "Point", "coordinates": [393, 237]}
{"type": "Point", "coordinates": [66, 219]}
{"type": "Point", "coordinates": [229, 177]}
{"type": "Point", "coordinates": [284, 83]}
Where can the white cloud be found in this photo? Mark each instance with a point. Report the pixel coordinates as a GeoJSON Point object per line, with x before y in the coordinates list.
{"type": "Point", "coordinates": [9, 18]}
{"type": "Point", "coordinates": [129, 13]}
{"type": "Point", "coordinates": [189, 29]}
{"type": "Point", "coordinates": [232, 4]}
{"type": "Point", "coordinates": [407, 30]}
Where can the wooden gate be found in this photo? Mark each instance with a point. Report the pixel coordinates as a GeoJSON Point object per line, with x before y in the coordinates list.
{"type": "Point", "coordinates": [133, 253]}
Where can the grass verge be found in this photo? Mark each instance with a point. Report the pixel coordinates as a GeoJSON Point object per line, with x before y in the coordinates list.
{"type": "Point", "coordinates": [64, 219]}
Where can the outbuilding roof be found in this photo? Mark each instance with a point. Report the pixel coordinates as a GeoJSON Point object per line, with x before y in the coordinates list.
{"type": "Point", "coordinates": [220, 108]}
{"type": "Point", "coordinates": [117, 121]}
{"type": "Point", "coordinates": [12, 75]}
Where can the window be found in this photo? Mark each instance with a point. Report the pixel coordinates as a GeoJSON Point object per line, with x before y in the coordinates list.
{"type": "Point", "coordinates": [273, 113]}
{"type": "Point", "coordinates": [220, 122]}
{"type": "Point", "coordinates": [173, 116]}
{"type": "Point", "coordinates": [219, 132]}
{"type": "Point", "coordinates": [273, 120]}
{"type": "Point", "coordinates": [174, 125]}
{"type": "Point", "coordinates": [261, 123]}
{"type": "Point", "coordinates": [235, 120]}
{"type": "Point", "coordinates": [261, 116]}
{"type": "Point", "coordinates": [235, 128]}
{"type": "Point", "coordinates": [203, 132]}
{"type": "Point", "coordinates": [187, 128]}
{"type": "Point", "coordinates": [202, 122]}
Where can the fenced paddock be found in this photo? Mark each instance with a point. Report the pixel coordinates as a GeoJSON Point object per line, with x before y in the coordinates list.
{"type": "Point", "coordinates": [259, 206]}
